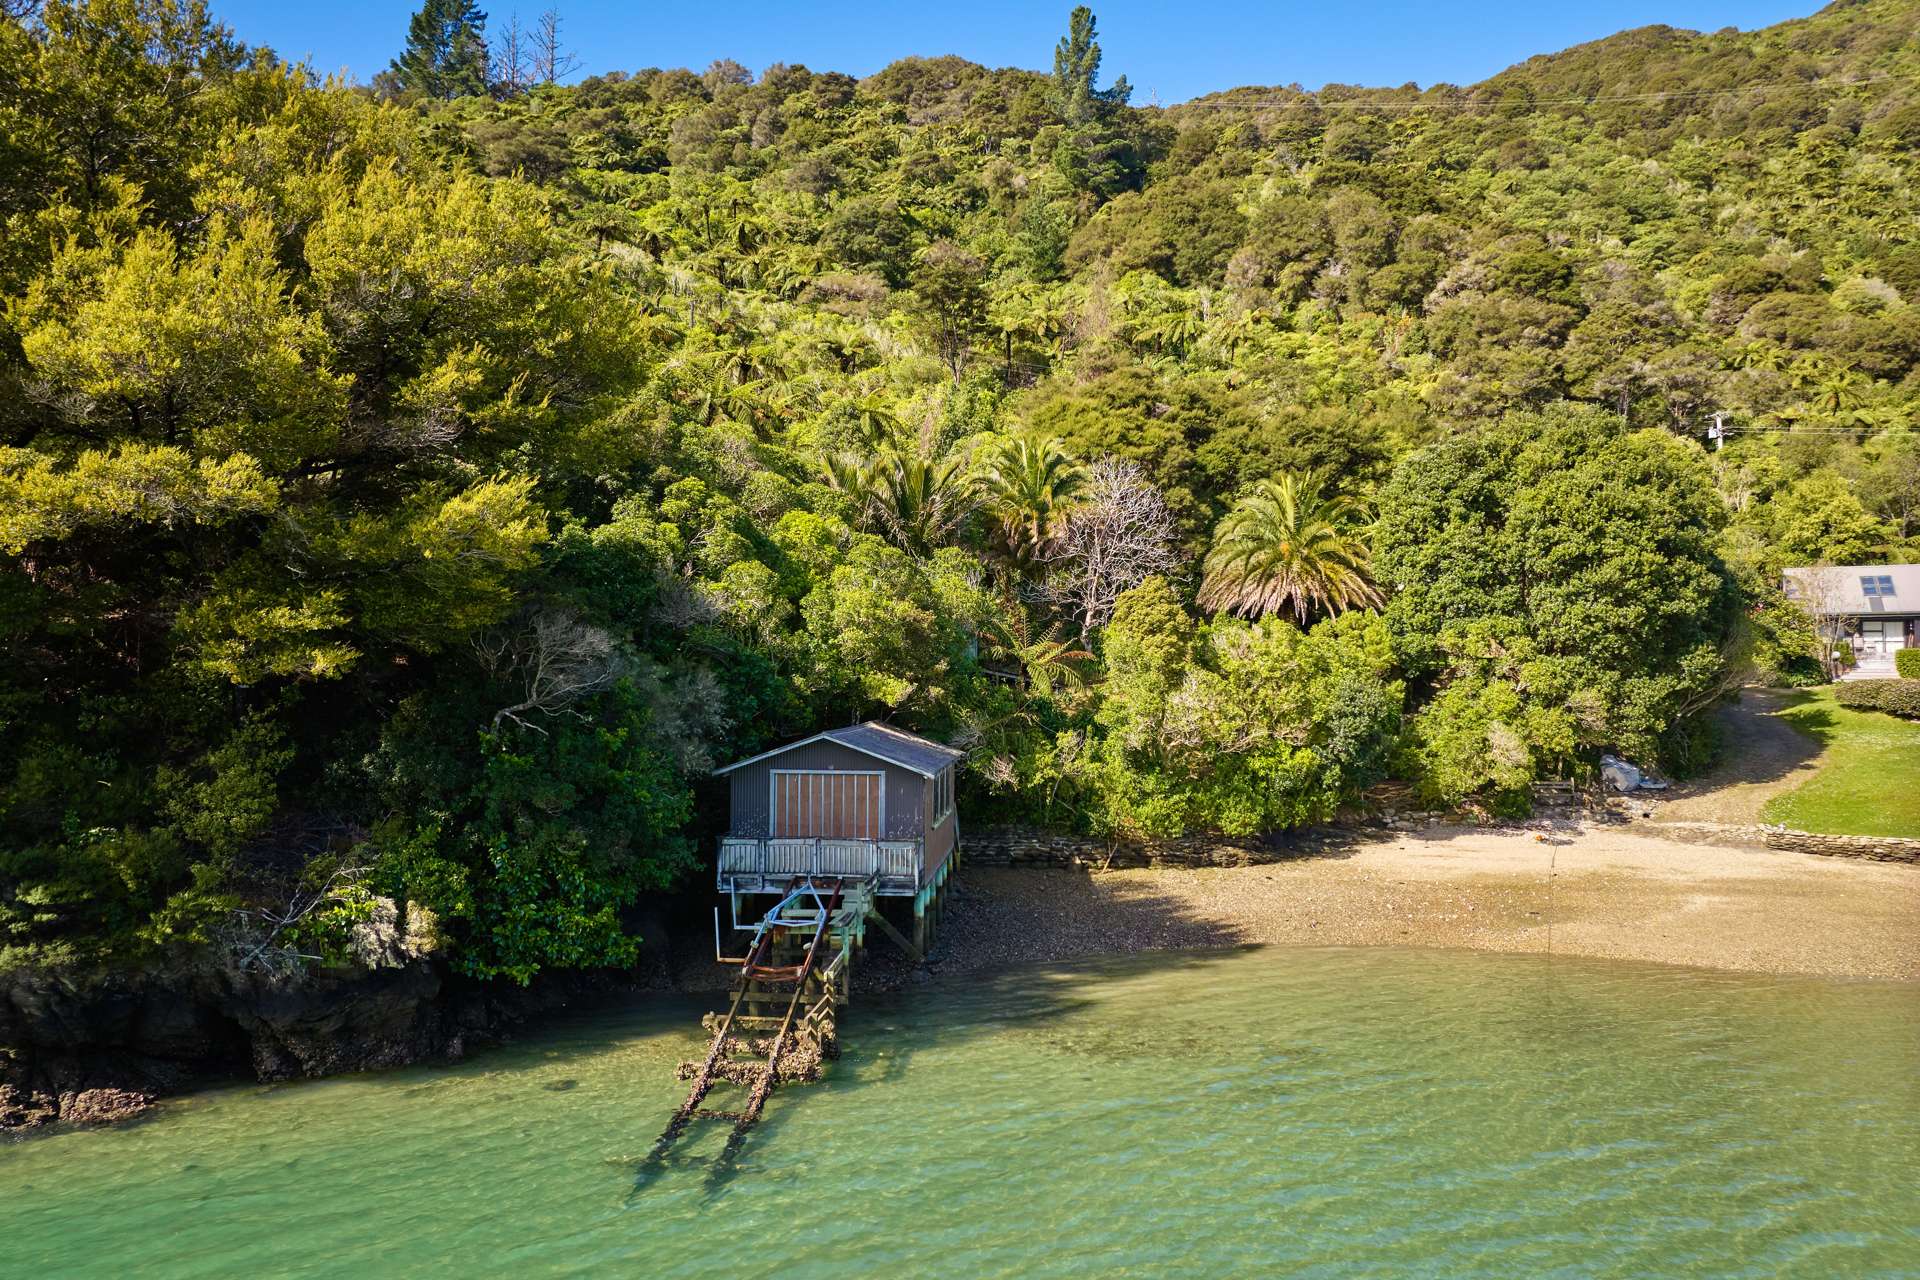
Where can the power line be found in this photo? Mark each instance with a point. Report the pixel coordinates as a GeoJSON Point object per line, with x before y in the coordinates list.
{"type": "Point", "coordinates": [1307, 103]}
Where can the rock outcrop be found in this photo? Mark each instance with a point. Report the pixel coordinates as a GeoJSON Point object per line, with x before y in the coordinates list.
{"type": "Point", "coordinates": [88, 1046]}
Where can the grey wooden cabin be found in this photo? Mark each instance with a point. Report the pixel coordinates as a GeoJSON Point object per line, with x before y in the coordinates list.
{"type": "Point", "coordinates": [865, 802]}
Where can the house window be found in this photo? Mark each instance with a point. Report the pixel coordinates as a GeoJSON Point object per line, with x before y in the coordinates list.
{"type": "Point", "coordinates": [1876, 586]}
{"type": "Point", "coordinates": [822, 805]}
{"type": "Point", "coordinates": [942, 795]}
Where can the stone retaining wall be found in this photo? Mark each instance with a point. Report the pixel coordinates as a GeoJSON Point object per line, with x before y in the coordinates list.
{"type": "Point", "coordinates": [1875, 848]}
{"type": "Point", "coordinates": [1017, 847]}
{"type": "Point", "coordinates": [1020, 847]}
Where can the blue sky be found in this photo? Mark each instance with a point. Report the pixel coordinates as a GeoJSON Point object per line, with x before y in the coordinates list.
{"type": "Point", "coordinates": [1169, 51]}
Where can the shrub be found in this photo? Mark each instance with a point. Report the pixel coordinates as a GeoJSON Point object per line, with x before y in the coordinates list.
{"type": "Point", "coordinates": [1860, 694]}
{"type": "Point", "coordinates": [1236, 727]}
{"type": "Point", "coordinates": [1907, 663]}
{"type": "Point", "coordinates": [1895, 697]}
{"type": "Point", "coordinates": [1799, 673]}
{"type": "Point", "coordinates": [1901, 698]}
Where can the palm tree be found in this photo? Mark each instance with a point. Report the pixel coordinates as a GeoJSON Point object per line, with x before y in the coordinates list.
{"type": "Point", "coordinates": [1046, 663]}
{"type": "Point", "coordinates": [1761, 355]}
{"type": "Point", "coordinates": [879, 424]}
{"type": "Point", "coordinates": [916, 501]}
{"type": "Point", "coordinates": [848, 474]}
{"type": "Point", "coordinates": [1810, 370]}
{"type": "Point", "coordinates": [1030, 482]}
{"type": "Point", "coordinates": [846, 346]}
{"type": "Point", "coordinates": [1173, 330]}
{"type": "Point", "coordinates": [607, 222]}
{"type": "Point", "coordinates": [1839, 390]}
{"type": "Point", "coordinates": [1015, 315]}
{"type": "Point", "coordinates": [1289, 544]}
{"type": "Point", "coordinates": [1243, 327]}
{"type": "Point", "coordinates": [788, 268]}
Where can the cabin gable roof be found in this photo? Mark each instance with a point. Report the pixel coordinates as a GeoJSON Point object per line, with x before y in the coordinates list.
{"type": "Point", "coordinates": [882, 742]}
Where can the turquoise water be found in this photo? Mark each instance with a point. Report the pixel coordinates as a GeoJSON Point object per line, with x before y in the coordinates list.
{"type": "Point", "coordinates": [1308, 1112]}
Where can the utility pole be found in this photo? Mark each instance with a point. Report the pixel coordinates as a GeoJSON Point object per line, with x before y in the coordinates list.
{"type": "Point", "coordinates": [1718, 431]}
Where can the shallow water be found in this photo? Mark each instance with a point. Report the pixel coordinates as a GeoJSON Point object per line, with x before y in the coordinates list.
{"type": "Point", "coordinates": [1309, 1112]}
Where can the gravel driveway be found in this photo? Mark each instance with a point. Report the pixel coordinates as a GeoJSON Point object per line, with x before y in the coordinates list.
{"type": "Point", "coordinates": [1762, 756]}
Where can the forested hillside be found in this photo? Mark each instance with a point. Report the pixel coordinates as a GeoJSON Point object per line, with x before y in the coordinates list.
{"type": "Point", "coordinates": [415, 490]}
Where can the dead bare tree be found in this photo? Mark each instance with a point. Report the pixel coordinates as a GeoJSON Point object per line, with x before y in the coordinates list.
{"type": "Point", "coordinates": [1826, 592]}
{"type": "Point", "coordinates": [1119, 535]}
{"type": "Point", "coordinates": [551, 60]}
{"type": "Point", "coordinates": [556, 659]}
{"type": "Point", "coordinates": [256, 939]}
{"type": "Point", "coordinates": [511, 60]}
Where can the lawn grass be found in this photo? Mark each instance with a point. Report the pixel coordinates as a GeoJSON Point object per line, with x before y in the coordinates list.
{"type": "Point", "coordinates": [1868, 782]}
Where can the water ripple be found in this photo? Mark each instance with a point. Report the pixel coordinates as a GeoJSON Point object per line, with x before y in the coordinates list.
{"type": "Point", "coordinates": [1307, 1112]}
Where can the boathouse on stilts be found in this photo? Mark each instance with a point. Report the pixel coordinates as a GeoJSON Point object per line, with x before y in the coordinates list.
{"type": "Point", "coordinates": [826, 836]}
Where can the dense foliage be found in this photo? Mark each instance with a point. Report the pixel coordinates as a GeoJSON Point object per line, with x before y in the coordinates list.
{"type": "Point", "coordinates": [1559, 581]}
{"type": "Point", "coordinates": [418, 490]}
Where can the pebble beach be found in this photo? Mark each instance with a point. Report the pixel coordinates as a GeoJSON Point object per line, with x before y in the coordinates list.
{"type": "Point", "coordinates": [1598, 891]}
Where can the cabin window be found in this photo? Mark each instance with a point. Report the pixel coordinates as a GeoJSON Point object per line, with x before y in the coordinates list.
{"type": "Point", "coordinates": [942, 795]}
{"type": "Point", "coordinates": [828, 805]}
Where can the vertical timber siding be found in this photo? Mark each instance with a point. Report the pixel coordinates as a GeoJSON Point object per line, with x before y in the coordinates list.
{"type": "Point", "coordinates": [906, 791]}
{"type": "Point", "coordinates": [940, 842]}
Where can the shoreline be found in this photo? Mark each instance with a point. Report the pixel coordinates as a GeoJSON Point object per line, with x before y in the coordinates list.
{"type": "Point", "coordinates": [1589, 891]}
{"type": "Point", "coordinates": [1602, 892]}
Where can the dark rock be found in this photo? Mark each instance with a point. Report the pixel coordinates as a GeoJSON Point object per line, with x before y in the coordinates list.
{"type": "Point", "coordinates": [88, 1048]}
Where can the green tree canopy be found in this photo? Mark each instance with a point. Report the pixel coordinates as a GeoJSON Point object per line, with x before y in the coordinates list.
{"type": "Point", "coordinates": [446, 51]}
{"type": "Point", "coordinates": [1076, 72]}
{"type": "Point", "coordinates": [1571, 560]}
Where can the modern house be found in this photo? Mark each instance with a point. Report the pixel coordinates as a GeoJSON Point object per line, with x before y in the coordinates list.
{"type": "Point", "coordinates": [867, 802]}
{"type": "Point", "coordinates": [1875, 608]}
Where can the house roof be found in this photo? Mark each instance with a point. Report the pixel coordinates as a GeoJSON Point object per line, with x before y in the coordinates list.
{"type": "Point", "coordinates": [1842, 588]}
{"type": "Point", "coordinates": [883, 742]}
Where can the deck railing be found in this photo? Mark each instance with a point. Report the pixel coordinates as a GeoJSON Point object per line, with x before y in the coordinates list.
{"type": "Point", "coordinates": [894, 862]}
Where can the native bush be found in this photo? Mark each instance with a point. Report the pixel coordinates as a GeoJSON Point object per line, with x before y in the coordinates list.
{"type": "Point", "coordinates": [330, 424]}
{"type": "Point", "coordinates": [531, 846]}
{"type": "Point", "coordinates": [1564, 573]}
{"type": "Point", "coordinates": [1233, 726]}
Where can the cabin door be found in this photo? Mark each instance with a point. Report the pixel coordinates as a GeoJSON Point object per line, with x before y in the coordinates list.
{"type": "Point", "coordinates": [828, 806]}
{"type": "Point", "coordinates": [1879, 636]}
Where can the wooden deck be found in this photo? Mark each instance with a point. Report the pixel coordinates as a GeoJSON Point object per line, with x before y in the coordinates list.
{"type": "Point", "coordinates": [894, 868]}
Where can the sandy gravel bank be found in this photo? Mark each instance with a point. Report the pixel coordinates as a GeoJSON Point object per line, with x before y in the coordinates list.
{"type": "Point", "coordinates": [1591, 892]}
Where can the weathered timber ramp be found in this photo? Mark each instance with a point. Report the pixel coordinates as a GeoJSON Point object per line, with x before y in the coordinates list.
{"type": "Point", "coordinates": [781, 1020]}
